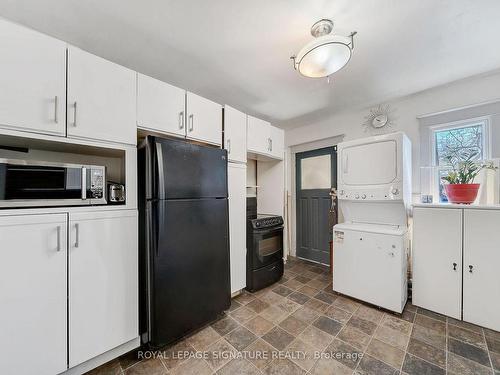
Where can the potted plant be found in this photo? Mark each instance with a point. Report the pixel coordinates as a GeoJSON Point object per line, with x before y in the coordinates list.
{"type": "Point", "coordinates": [460, 187]}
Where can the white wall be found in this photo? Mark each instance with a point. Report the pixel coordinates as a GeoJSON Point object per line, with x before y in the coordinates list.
{"type": "Point", "coordinates": [349, 123]}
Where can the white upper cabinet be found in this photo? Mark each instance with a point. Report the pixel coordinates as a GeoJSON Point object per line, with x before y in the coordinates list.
{"type": "Point", "coordinates": [277, 142]}
{"type": "Point", "coordinates": [258, 135]}
{"type": "Point", "coordinates": [101, 99]}
{"type": "Point", "coordinates": [235, 134]}
{"type": "Point", "coordinates": [265, 139]}
{"type": "Point", "coordinates": [160, 106]}
{"type": "Point", "coordinates": [204, 119]}
{"type": "Point", "coordinates": [103, 282]}
{"type": "Point", "coordinates": [32, 80]}
{"type": "Point", "coordinates": [33, 294]}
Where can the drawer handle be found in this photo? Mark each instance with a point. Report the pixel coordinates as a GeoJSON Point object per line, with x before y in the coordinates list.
{"type": "Point", "coordinates": [455, 266]}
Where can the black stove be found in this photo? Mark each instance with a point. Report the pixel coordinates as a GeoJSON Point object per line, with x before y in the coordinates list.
{"type": "Point", "coordinates": [264, 248]}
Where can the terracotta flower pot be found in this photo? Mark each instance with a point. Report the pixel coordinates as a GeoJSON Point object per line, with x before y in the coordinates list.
{"type": "Point", "coordinates": [461, 193]}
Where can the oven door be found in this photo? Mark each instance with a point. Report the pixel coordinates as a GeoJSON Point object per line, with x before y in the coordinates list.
{"type": "Point", "coordinates": [267, 246]}
{"type": "Point", "coordinates": [31, 184]}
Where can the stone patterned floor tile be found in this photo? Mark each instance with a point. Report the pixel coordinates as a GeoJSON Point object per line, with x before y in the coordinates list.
{"type": "Point", "coordinates": [430, 323]}
{"type": "Point", "coordinates": [265, 357]}
{"type": "Point", "coordinates": [217, 354]}
{"type": "Point", "coordinates": [372, 366]}
{"type": "Point", "coordinates": [283, 367]}
{"type": "Point", "coordinates": [363, 325]}
{"type": "Point", "coordinates": [239, 366]}
{"type": "Point", "coordinates": [306, 359]}
{"type": "Point", "coordinates": [397, 324]}
{"type": "Point", "coordinates": [338, 314]}
{"type": "Point", "coordinates": [467, 336]}
{"type": "Point", "coordinates": [431, 314]}
{"type": "Point", "coordinates": [170, 356]}
{"type": "Point", "coordinates": [242, 314]}
{"type": "Point", "coordinates": [274, 314]}
{"type": "Point", "coordinates": [293, 284]}
{"type": "Point", "coordinates": [244, 298]}
{"type": "Point", "coordinates": [129, 359]}
{"type": "Point", "coordinates": [259, 325]}
{"type": "Point", "coordinates": [465, 325]}
{"type": "Point", "coordinates": [328, 325]}
{"type": "Point", "coordinates": [192, 366]}
{"type": "Point", "coordinates": [288, 306]}
{"type": "Point", "coordinates": [316, 338]}
{"type": "Point", "coordinates": [427, 352]}
{"type": "Point", "coordinates": [302, 279]}
{"type": "Point", "coordinates": [110, 368]}
{"type": "Point", "coordinates": [306, 314]}
{"type": "Point", "coordinates": [344, 353]}
{"type": "Point", "coordinates": [317, 283]}
{"type": "Point", "coordinates": [204, 338]}
{"type": "Point", "coordinates": [392, 337]}
{"type": "Point", "coordinates": [493, 344]}
{"type": "Point", "coordinates": [354, 337]}
{"type": "Point", "coordinates": [469, 351]}
{"type": "Point", "coordinates": [308, 291]}
{"type": "Point", "coordinates": [369, 313]}
{"type": "Point", "coordinates": [326, 366]}
{"type": "Point", "coordinates": [224, 325]}
{"type": "Point", "coordinates": [386, 353]}
{"type": "Point", "coordinates": [429, 336]}
{"type": "Point", "coordinates": [283, 290]}
{"type": "Point", "coordinates": [462, 366]}
{"type": "Point", "coordinates": [416, 366]}
{"type": "Point", "coordinates": [293, 325]}
{"type": "Point", "coordinates": [240, 338]}
{"type": "Point", "coordinates": [278, 338]}
{"type": "Point", "coordinates": [272, 298]}
{"type": "Point", "coordinates": [408, 316]}
{"type": "Point", "coordinates": [317, 305]}
{"type": "Point", "coordinates": [325, 297]}
{"type": "Point", "coordinates": [346, 304]}
{"type": "Point", "coordinates": [299, 298]}
{"type": "Point", "coordinates": [257, 305]}
{"type": "Point", "coordinates": [147, 367]}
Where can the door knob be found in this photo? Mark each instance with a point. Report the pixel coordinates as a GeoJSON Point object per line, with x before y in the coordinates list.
{"type": "Point", "coordinates": [471, 267]}
{"type": "Point", "coordinates": [454, 266]}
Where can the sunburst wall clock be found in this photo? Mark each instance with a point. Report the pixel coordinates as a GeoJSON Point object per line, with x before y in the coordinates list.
{"type": "Point", "coordinates": [380, 120]}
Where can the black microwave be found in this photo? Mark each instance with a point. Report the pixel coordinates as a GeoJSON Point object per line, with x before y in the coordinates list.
{"type": "Point", "coordinates": [27, 183]}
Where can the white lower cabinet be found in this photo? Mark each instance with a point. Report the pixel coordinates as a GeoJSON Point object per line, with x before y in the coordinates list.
{"type": "Point", "coordinates": [33, 325]}
{"type": "Point", "coordinates": [437, 260]}
{"type": "Point", "coordinates": [103, 282]}
{"type": "Point", "coordinates": [237, 175]}
{"type": "Point", "coordinates": [481, 276]}
{"type": "Point", "coordinates": [442, 237]}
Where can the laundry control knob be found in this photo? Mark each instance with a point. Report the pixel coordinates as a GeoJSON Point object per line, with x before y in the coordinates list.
{"type": "Point", "coordinates": [363, 196]}
{"type": "Point", "coordinates": [395, 191]}
{"type": "Point", "coordinates": [356, 196]}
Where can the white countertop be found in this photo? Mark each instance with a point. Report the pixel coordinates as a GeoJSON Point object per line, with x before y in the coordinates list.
{"type": "Point", "coordinates": [459, 206]}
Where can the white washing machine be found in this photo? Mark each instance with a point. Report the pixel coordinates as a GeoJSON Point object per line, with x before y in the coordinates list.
{"type": "Point", "coordinates": [371, 244]}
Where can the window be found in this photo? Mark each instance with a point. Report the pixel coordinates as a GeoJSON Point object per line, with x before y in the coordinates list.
{"type": "Point", "coordinates": [457, 142]}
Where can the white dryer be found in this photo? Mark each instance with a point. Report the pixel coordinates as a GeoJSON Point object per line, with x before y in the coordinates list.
{"type": "Point", "coordinates": [371, 244]}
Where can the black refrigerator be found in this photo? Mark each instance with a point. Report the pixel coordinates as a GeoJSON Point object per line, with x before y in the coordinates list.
{"type": "Point", "coordinates": [184, 238]}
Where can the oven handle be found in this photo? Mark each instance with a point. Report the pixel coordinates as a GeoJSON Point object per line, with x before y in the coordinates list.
{"type": "Point", "coordinates": [268, 230]}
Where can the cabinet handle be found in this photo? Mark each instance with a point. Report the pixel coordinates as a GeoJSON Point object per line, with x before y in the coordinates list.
{"type": "Point", "coordinates": [471, 267]}
{"type": "Point", "coordinates": [181, 120]}
{"type": "Point", "coordinates": [56, 102]}
{"type": "Point", "coordinates": [77, 235]}
{"type": "Point", "coordinates": [191, 122]}
{"type": "Point", "coordinates": [271, 144]}
{"type": "Point", "coordinates": [58, 238]}
{"type": "Point", "coordinates": [228, 146]}
{"type": "Point", "coordinates": [84, 183]}
{"type": "Point", "coordinates": [455, 266]}
{"type": "Point", "coordinates": [74, 114]}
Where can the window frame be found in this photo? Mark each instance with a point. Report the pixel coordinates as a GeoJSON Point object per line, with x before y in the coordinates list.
{"type": "Point", "coordinates": [484, 121]}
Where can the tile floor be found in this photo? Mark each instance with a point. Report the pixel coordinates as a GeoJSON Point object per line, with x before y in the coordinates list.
{"type": "Point", "coordinates": [317, 331]}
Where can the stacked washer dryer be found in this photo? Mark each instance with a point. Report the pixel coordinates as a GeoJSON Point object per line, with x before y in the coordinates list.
{"type": "Point", "coordinates": [371, 244]}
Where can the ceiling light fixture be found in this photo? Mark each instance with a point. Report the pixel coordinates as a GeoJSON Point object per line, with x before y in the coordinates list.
{"type": "Point", "coordinates": [326, 54]}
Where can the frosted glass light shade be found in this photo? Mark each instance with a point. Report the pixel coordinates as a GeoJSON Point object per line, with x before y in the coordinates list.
{"type": "Point", "coordinates": [323, 56]}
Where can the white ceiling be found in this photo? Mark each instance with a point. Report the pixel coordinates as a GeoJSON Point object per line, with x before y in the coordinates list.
{"type": "Point", "coordinates": [237, 52]}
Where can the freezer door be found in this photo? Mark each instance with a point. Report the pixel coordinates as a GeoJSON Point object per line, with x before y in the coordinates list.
{"type": "Point", "coordinates": [189, 263]}
{"type": "Point", "coordinates": [182, 170]}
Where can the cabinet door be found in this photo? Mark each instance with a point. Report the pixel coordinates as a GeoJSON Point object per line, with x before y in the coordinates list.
{"type": "Point", "coordinates": [481, 274]}
{"type": "Point", "coordinates": [437, 260]}
{"type": "Point", "coordinates": [32, 80]}
{"type": "Point", "coordinates": [277, 143]}
{"type": "Point", "coordinates": [204, 120]}
{"type": "Point", "coordinates": [235, 134]}
{"type": "Point", "coordinates": [103, 282]}
{"type": "Point", "coordinates": [33, 294]}
{"type": "Point", "coordinates": [258, 136]}
{"type": "Point", "coordinates": [237, 175]}
{"type": "Point", "coordinates": [160, 106]}
{"type": "Point", "coordinates": [101, 99]}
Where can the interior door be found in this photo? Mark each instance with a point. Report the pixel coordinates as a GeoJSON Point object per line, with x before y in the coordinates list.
{"type": "Point", "coordinates": [32, 80]}
{"type": "Point", "coordinates": [160, 106]}
{"type": "Point", "coordinates": [33, 294]}
{"type": "Point", "coordinates": [235, 134]}
{"type": "Point", "coordinates": [481, 301]}
{"type": "Point", "coordinates": [101, 99]}
{"type": "Point", "coordinates": [204, 120]}
{"type": "Point", "coordinates": [237, 177]}
{"type": "Point", "coordinates": [103, 282]}
{"type": "Point", "coordinates": [316, 176]}
{"type": "Point", "coordinates": [437, 260]}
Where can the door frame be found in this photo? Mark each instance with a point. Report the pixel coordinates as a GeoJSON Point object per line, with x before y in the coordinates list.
{"type": "Point", "coordinates": [329, 150]}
